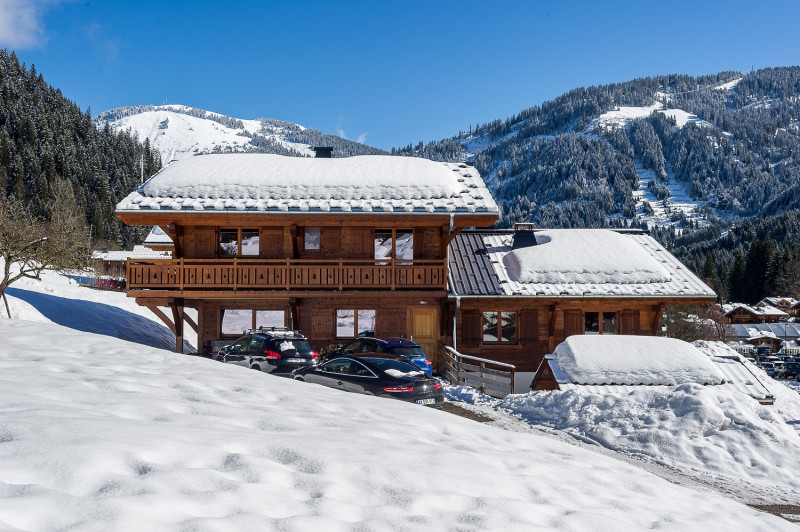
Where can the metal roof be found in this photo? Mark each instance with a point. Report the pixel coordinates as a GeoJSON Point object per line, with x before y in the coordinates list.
{"type": "Point", "coordinates": [470, 268]}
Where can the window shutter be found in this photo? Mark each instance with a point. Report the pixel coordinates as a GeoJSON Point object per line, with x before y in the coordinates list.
{"type": "Point", "coordinates": [573, 322]}
{"type": "Point", "coordinates": [471, 327]}
{"type": "Point", "coordinates": [630, 322]}
{"type": "Point", "coordinates": [528, 326]}
{"type": "Point", "coordinates": [322, 324]}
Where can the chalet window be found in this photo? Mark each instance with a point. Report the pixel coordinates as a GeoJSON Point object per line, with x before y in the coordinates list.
{"type": "Point", "coordinates": [595, 325]}
{"type": "Point", "coordinates": [238, 321]}
{"type": "Point", "coordinates": [499, 327]}
{"type": "Point", "coordinates": [354, 323]}
{"type": "Point", "coordinates": [394, 243]}
{"type": "Point", "coordinates": [311, 240]}
{"type": "Point", "coordinates": [238, 242]}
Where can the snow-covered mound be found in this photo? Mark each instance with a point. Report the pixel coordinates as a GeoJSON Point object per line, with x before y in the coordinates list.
{"type": "Point", "coordinates": [107, 435]}
{"type": "Point", "coordinates": [715, 434]}
{"type": "Point", "coordinates": [62, 300]}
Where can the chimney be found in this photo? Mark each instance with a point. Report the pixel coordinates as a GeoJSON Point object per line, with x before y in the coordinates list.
{"type": "Point", "coordinates": [323, 152]}
{"type": "Point", "coordinates": [524, 236]}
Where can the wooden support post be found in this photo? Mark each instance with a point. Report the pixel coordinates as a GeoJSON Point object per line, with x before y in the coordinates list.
{"type": "Point", "coordinates": [656, 318]}
{"type": "Point", "coordinates": [178, 314]}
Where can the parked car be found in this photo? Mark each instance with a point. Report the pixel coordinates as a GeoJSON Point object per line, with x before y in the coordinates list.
{"type": "Point", "coordinates": [271, 350]}
{"type": "Point", "coordinates": [402, 347]}
{"type": "Point", "coordinates": [768, 367]}
{"type": "Point", "coordinates": [383, 375]}
{"type": "Point", "coordinates": [780, 370]}
{"type": "Point", "coordinates": [792, 369]}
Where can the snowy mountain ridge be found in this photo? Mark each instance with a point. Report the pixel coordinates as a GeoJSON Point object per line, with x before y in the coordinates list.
{"type": "Point", "coordinates": [180, 131]}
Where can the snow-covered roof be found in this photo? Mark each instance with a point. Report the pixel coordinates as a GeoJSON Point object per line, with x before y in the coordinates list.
{"type": "Point", "coordinates": [736, 371]}
{"type": "Point", "coordinates": [767, 310]}
{"type": "Point", "coordinates": [277, 184]}
{"type": "Point", "coordinates": [138, 252]}
{"type": "Point", "coordinates": [632, 360]}
{"type": "Point", "coordinates": [590, 262]}
{"type": "Point", "coordinates": [766, 330]}
{"type": "Point", "coordinates": [157, 236]}
{"type": "Point", "coordinates": [775, 301]}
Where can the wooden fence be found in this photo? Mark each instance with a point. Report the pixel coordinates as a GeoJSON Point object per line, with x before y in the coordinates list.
{"type": "Point", "coordinates": [489, 376]}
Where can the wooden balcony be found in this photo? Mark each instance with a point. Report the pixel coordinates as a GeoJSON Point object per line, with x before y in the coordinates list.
{"type": "Point", "coordinates": [234, 274]}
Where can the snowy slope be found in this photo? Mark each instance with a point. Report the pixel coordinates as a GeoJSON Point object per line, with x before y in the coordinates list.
{"type": "Point", "coordinates": [177, 135]}
{"type": "Point", "coordinates": [112, 436]}
{"type": "Point", "coordinates": [179, 131]}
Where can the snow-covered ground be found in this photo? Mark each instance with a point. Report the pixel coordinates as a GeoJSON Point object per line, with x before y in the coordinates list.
{"type": "Point", "coordinates": [100, 433]}
{"type": "Point", "coordinates": [678, 201]}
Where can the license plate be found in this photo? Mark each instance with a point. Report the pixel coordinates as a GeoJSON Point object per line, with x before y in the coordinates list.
{"type": "Point", "coordinates": [426, 401]}
{"type": "Point", "coordinates": [295, 360]}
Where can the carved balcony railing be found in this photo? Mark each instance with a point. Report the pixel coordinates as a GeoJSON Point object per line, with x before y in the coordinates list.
{"type": "Point", "coordinates": [285, 274]}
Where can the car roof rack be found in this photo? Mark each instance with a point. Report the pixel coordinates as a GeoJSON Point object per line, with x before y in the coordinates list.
{"type": "Point", "coordinates": [277, 331]}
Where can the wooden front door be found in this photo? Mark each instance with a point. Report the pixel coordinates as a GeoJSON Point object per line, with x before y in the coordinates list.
{"type": "Point", "coordinates": [423, 329]}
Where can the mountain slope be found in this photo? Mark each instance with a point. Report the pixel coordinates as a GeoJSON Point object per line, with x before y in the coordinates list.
{"type": "Point", "coordinates": [178, 131]}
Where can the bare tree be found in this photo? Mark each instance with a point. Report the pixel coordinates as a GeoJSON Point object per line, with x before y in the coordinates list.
{"type": "Point", "coordinates": [30, 245]}
{"type": "Point", "coordinates": [715, 325]}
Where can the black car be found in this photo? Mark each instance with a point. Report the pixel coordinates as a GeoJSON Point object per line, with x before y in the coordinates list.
{"type": "Point", "coordinates": [792, 370]}
{"type": "Point", "coordinates": [271, 350]}
{"type": "Point", "coordinates": [376, 374]}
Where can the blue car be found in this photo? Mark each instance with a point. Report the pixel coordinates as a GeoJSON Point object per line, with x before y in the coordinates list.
{"type": "Point", "coordinates": [402, 347]}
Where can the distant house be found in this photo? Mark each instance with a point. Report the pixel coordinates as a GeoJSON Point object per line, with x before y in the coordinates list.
{"type": "Point", "coordinates": [113, 263]}
{"type": "Point", "coordinates": [741, 313]}
{"type": "Point", "coordinates": [618, 365]}
{"type": "Point", "coordinates": [772, 335]}
{"type": "Point", "coordinates": [789, 305]}
{"type": "Point", "coordinates": [158, 240]}
{"type": "Point", "coordinates": [516, 294]}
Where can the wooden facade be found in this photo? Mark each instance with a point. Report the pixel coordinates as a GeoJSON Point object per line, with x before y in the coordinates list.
{"type": "Point", "coordinates": [406, 295]}
{"type": "Point", "coordinates": [540, 324]}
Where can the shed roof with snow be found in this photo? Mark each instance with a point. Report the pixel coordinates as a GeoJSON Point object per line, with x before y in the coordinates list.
{"type": "Point", "coordinates": [618, 364]}
{"type": "Point", "coordinates": [278, 184]}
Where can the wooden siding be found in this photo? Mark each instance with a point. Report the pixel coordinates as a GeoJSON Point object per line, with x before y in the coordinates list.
{"type": "Point", "coordinates": [541, 324]}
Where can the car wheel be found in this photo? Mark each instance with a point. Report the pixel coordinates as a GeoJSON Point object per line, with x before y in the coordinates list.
{"type": "Point", "coordinates": [301, 379]}
{"type": "Point", "coordinates": [257, 368]}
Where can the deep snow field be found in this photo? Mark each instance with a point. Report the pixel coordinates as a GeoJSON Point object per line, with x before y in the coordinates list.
{"type": "Point", "coordinates": [99, 433]}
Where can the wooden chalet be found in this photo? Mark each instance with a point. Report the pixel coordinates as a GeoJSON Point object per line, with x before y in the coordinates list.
{"type": "Point", "coordinates": [333, 247]}
{"type": "Point", "coordinates": [516, 294]}
{"type": "Point", "coordinates": [789, 305]}
{"type": "Point", "coordinates": [739, 313]}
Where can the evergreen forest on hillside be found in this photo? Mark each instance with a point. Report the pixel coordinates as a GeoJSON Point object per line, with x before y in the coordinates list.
{"type": "Point", "coordinates": [555, 166]}
{"type": "Point", "coordinates": [44, 137]}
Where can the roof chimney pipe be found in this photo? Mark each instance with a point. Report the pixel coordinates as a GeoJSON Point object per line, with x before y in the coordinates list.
{"type": "Point", "coordinates": [323, 152]}
{"type": "Point", "coordinates": [524, 236]}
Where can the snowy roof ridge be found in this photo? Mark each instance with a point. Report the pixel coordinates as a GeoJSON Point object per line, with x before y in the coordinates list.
{"type": "Point", "coordinates": [274, 183]}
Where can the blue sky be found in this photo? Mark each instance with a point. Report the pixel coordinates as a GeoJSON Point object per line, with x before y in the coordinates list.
{"type": "Point", "coordinates": [388, 73]}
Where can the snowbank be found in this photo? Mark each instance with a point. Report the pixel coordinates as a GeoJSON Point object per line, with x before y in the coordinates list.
{"type": "Point", "coordinates": [109, 435]}
{"type": "Point", "coordinates": [713, 433]}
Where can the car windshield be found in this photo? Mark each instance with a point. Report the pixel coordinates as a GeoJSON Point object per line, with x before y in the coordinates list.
{"type": "Point", "coordinates": [393, 367]}
{"type": "Point", "coordinates": [407, 351]}
{"type": "Point", "coordinates": [290, 346]}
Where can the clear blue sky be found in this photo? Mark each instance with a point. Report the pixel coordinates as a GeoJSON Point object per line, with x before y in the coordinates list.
{"type": "Point", "coordinates": [390, 73]}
